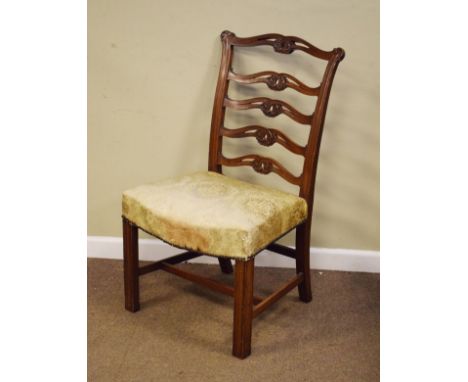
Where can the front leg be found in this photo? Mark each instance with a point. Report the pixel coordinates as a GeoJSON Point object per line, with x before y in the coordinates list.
{"type": "Point", "coordinates": [130, 249]}
{"type": "Point", "coordinates": [243, 308]}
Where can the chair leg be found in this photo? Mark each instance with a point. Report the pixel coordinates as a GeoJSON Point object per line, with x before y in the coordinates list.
{"type": "Point", "coordinates": [243, 308]}
{"type": "Point", "coordinates": [303, 260]}
{"type": "Point", "coordinates": [225, 264]}
{"type": "Point", "coordinates": [130, 248]}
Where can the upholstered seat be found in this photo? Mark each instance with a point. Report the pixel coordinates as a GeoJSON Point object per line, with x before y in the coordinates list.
{"type": "Point", "coordinates": [213, 214]}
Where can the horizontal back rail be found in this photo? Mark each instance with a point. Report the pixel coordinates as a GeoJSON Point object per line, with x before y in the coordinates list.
{"type": "Point", "coordinates": [262, 165]}
{"type": "Point", "coordinates": [280, 43]}
{"type": "Point", "coordinates": [275, 81]}
{"type": "Point", "coordinates": [269, 107]}
{"type": "Point", "coordinates": [265, 136]}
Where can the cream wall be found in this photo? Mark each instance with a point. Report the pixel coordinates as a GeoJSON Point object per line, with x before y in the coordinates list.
{"type": "Point", "coordinates": [152, 70]}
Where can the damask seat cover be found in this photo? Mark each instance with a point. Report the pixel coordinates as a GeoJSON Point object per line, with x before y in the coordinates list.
{"type": "Point", "coordinates": [214, 214]}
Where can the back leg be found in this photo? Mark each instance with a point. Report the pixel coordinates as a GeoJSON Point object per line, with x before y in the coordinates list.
{"type": "Point", "coordinates": [303, 260]}
{"type": "Point", "coordinates": [225, 264]}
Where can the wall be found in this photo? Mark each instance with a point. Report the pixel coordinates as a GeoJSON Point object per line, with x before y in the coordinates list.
{"type": "Point", "coordinates": [152, 70]}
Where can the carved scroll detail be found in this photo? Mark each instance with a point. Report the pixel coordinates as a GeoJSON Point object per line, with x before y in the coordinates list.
{"type": "Point", "coordinates": [265, 137]}
{"type": "Point", "coordinates": [284, 45]}
{"type": "Point", "coordinates": [271, 108]}
{"type": "Point", "coordinates": [262, 165]}
{"type": "Point", "coordinates": [277, 81]}
{"type": "Point", "coordinates": [227, 34]}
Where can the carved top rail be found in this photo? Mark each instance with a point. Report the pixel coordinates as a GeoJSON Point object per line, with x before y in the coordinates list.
{"type": "Point", "coordinates": [275, 81]}
{"type": "Point", "coordinates": [269, 107]}
{"type": "Point", "coordinates": [280, 43]}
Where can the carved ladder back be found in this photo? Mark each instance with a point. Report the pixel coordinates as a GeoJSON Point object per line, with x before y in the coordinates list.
{"type": "Point", "coordinates": [272, 108]}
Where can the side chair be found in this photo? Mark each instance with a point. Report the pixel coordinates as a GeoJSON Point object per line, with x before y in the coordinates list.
{"type": "Point", "coordinates": [208, 213]}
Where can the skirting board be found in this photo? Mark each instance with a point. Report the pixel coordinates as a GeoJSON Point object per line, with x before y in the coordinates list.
{"type": "Point", "coordinates": [352, 260]}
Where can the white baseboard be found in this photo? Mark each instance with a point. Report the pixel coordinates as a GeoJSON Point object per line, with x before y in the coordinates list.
{"type": "Point", "coordinates": [353, 260]}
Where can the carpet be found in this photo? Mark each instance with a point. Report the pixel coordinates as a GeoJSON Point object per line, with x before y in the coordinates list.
{"type": "Point", "coordinates": [183, 331]}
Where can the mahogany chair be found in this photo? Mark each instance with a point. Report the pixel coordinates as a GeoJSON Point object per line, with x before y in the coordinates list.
{"type": "Point", "coordinates": [211, 214]}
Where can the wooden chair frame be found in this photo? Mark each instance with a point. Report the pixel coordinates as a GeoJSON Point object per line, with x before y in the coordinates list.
{"type": "Point", "coordinates": [247, 306]}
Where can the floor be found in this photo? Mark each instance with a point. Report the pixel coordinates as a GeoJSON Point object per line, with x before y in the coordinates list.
{"type": "Point", "coordinates": [183, 331]}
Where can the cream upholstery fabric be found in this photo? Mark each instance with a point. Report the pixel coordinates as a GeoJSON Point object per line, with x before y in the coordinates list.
{"type": "Point", "coordinates": [214, 214]}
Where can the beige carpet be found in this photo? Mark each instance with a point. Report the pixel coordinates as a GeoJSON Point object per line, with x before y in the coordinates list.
{"type": "Point", "coordinates": [183, 331]}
